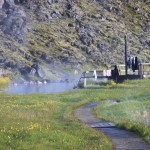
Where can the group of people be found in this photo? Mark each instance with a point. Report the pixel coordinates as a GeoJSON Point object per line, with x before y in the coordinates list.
{"type": "Point", "coordinates": [32, 82]}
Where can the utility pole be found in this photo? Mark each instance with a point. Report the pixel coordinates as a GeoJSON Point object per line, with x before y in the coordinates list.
{"type": "Point", "coordinates": [126, 67]}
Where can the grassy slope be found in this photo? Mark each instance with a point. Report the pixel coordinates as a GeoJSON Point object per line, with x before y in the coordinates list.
{"type": "Point", "coordinates": [65, 44]}
{"type": "Point", "coordinates": [41, 121]}
{"type": "Point", "coordinates": [109, 31]}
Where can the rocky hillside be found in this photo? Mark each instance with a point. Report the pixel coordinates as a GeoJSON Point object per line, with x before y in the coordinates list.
{"type": "Point", "coordinates": [54, 38]}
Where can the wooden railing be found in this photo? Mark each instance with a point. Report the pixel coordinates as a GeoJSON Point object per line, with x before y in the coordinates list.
{"type": "Point", "coordinates": [121, 69]}
{"type": "Point", "coordinates": [145, 70]}
{"type": "Point", "coordinates": [91, 76]}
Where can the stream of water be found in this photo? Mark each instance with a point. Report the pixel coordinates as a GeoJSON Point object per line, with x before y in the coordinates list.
{"type": "Point", "coordinates": [38, 88]}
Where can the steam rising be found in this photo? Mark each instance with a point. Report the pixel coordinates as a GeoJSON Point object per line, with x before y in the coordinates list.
{"type": "Point", "coordinates": [39, 88]}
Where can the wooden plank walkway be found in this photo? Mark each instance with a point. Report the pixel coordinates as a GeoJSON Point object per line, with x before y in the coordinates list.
{"type": "Point", "coordinates": [102, 125]}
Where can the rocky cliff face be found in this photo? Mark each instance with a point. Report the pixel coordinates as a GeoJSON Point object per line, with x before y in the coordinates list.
{"type": "Point", "coordinates": [51, 38]}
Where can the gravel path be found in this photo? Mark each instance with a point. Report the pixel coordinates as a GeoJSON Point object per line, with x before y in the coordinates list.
{"type": "Point", "coordinates": [122, 139]}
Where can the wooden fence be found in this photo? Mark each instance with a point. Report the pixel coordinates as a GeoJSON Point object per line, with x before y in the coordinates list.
{"type": "Point", "coordinates": [101, 75]}
{"type": "Point", "coordinates": [145, 70]}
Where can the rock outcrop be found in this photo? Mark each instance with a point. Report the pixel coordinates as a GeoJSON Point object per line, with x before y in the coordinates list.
{"type": "Point", "coordinates": [14, 21]}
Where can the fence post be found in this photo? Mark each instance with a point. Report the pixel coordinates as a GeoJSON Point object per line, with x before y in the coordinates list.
{"type": "Point", "coordinates": [126, 67]}
{"type": "Point", "coordinates": [84, 82]}
{"type": "Point", "coordinates": [141, 71]}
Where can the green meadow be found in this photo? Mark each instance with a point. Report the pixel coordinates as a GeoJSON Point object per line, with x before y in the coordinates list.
{"type": "Point", "coordinates": [132, 111]}
{"type": "Point", "coordinates": [46, 121]}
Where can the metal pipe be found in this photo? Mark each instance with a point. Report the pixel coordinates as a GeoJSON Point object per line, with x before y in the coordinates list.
{"type": "Point", "coordinates": [126, 67]}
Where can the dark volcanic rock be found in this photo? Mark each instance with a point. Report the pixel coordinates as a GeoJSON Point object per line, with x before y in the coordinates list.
{"type": "Point", "coordinates": [2, 59]}
{"type": "Point", "coordinates": [14, 23]}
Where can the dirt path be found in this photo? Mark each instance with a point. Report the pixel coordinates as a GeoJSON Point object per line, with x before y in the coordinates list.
{"type": "Point", "coordinates": [122, 139]}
